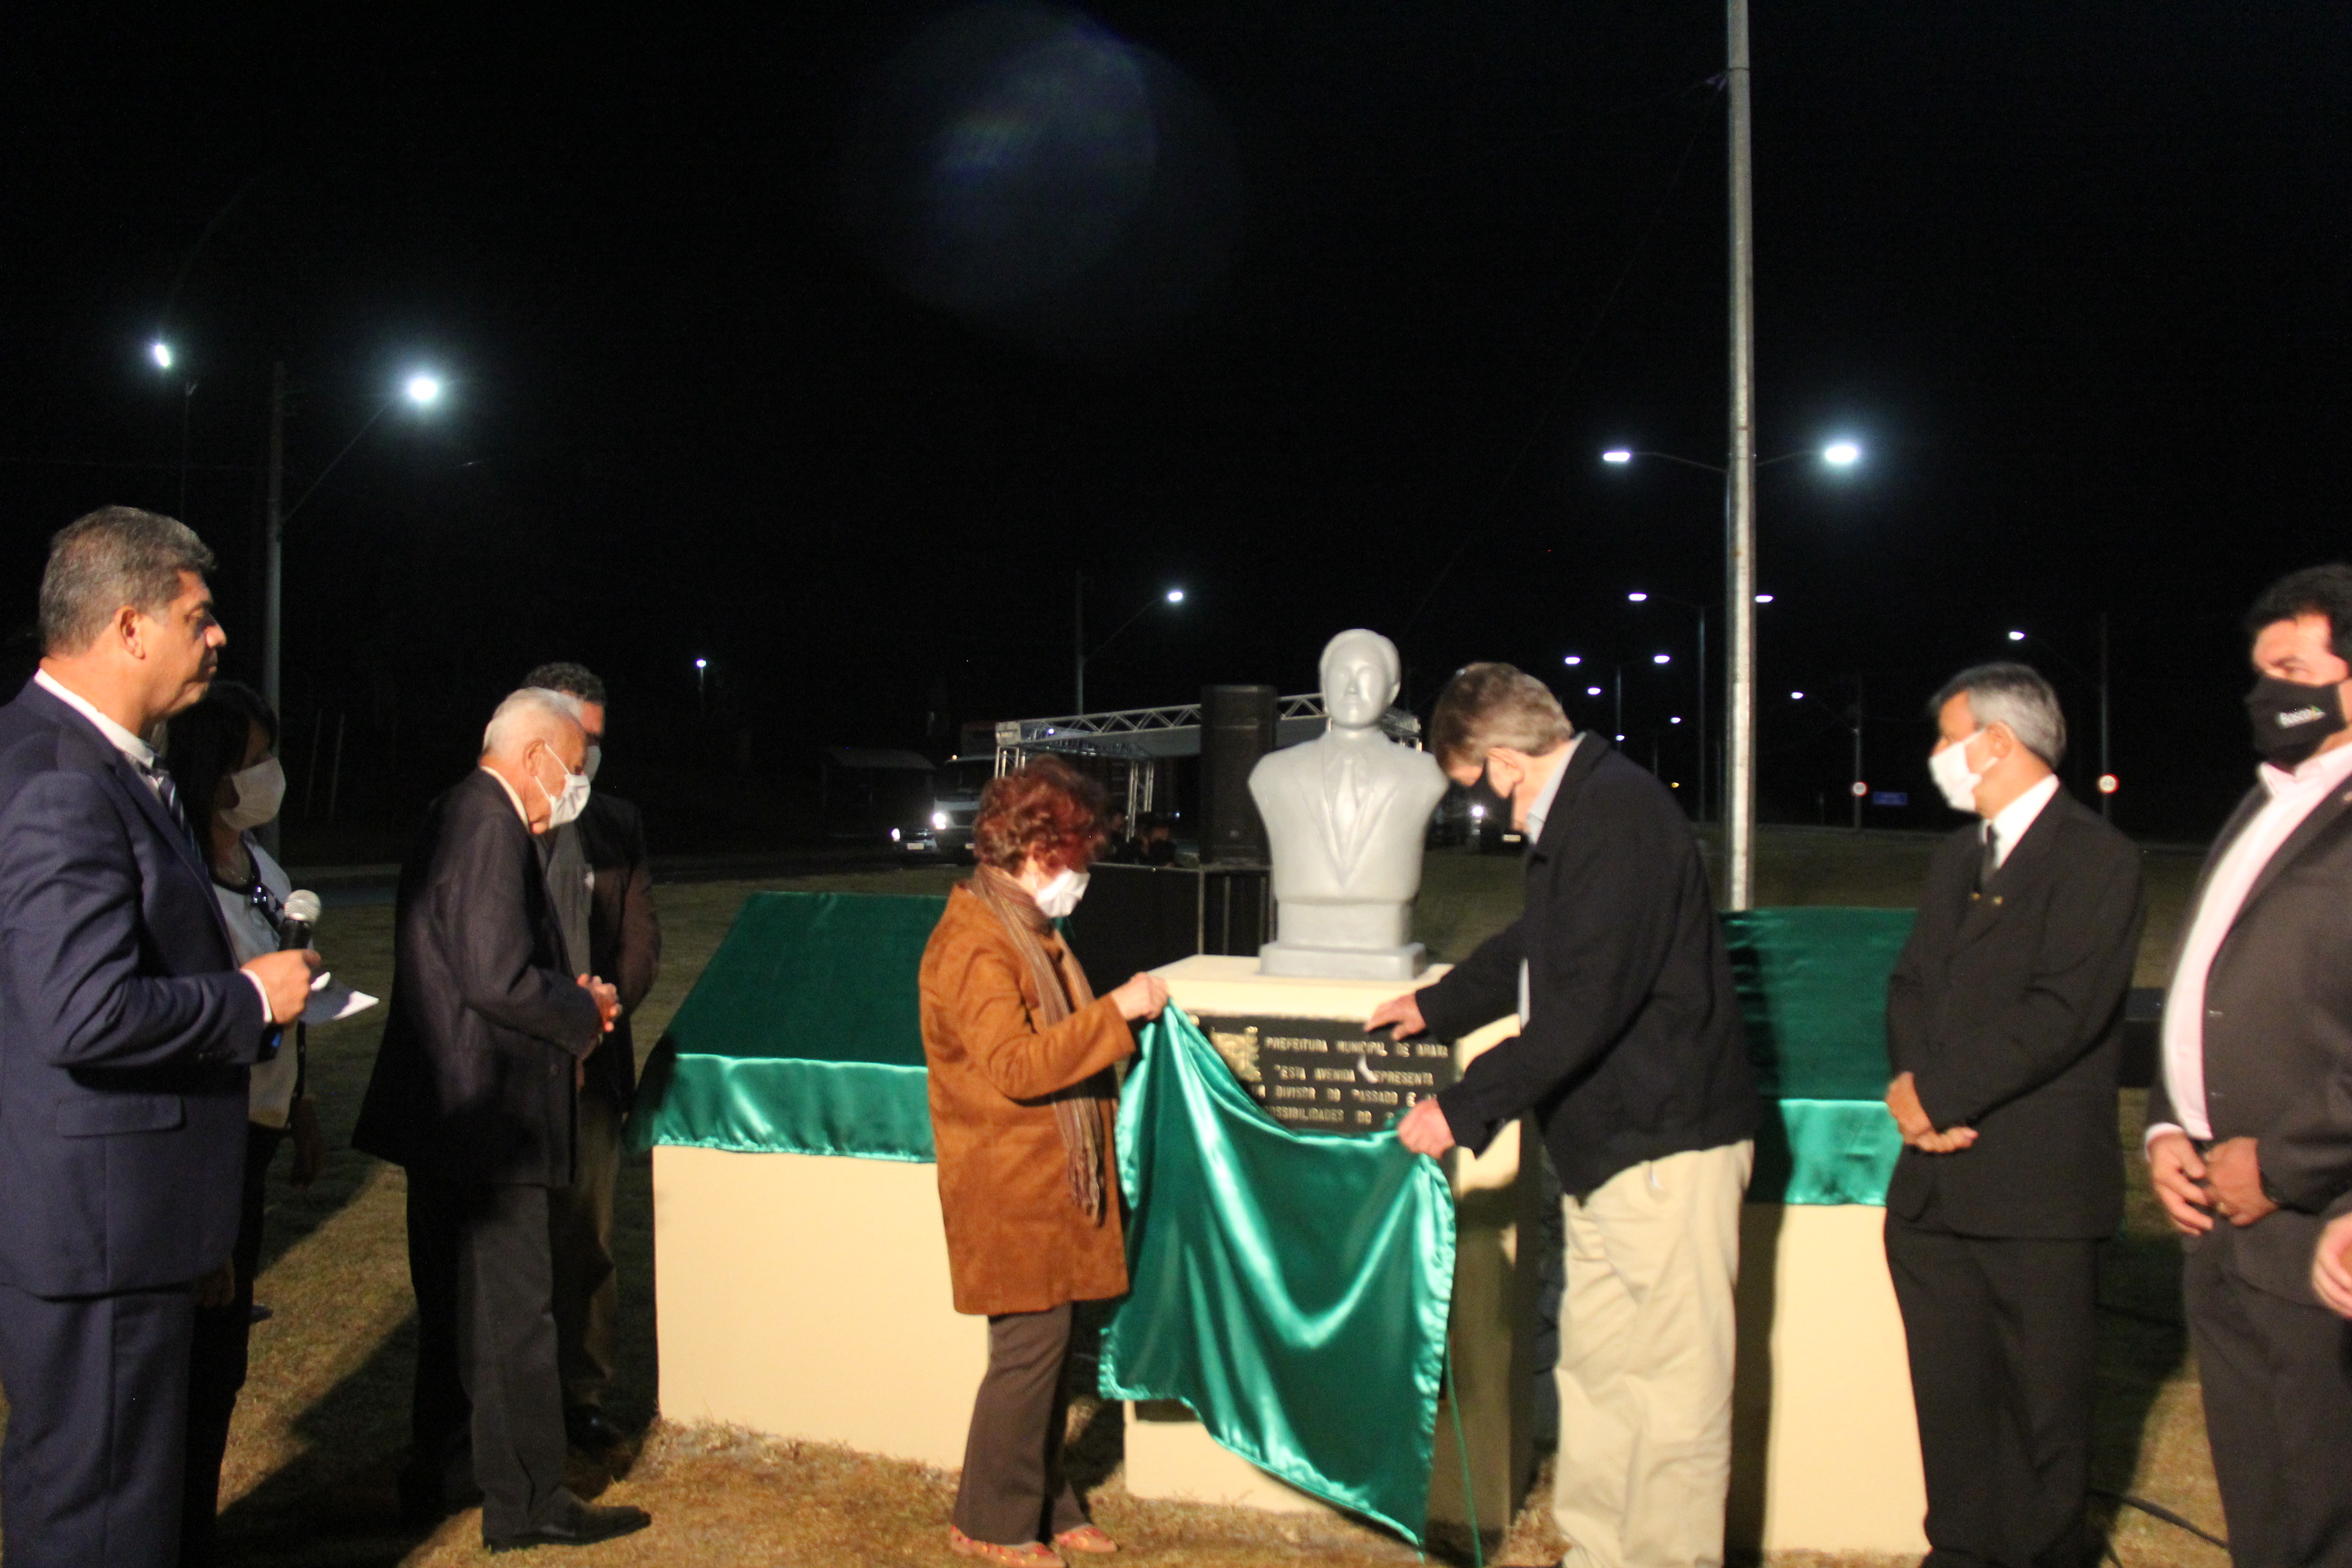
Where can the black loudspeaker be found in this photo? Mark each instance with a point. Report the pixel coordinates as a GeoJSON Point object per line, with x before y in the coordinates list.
{"type": "Point", "coordinates": [1236, 730]}
{"type": "Point", "coordinates": [1140, 917]}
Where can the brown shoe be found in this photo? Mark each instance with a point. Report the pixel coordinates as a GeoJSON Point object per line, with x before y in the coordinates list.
{"type": "Point", "coordinates": [1029, 1554]}
{"type": "Point", "coordinates": [1087, 1541]}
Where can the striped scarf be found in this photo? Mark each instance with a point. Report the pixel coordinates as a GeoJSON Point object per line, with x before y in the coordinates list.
{"type": "Point", "coordinates": [1082, 1112]}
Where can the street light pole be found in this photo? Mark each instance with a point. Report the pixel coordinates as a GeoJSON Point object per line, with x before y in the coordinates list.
{"type": "Point", "coordinates": [1078, 640]}
{"type": "Point", "coordinates": [1739, 796]}
{"type": "Point", "coordinates": [274, 529]}
{"type": "Point", "coordinates": [2107, 798]}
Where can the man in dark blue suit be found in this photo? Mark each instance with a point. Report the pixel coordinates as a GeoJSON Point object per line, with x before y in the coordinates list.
{"type": "Point", "coordinates": [125, 1031]}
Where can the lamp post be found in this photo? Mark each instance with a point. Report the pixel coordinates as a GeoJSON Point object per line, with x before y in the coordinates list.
{"type": "Point", "coordinates": [1078, 633]}
{"type": "Point", "coordinates": [1705, 741]}
{"type": "Point", "coordinates": [1853, 719]}
{"type": "Point", "coordinates": [166, 357]}
{"type": "Point", "coordinates": [421, 390]}
{"type": "Point", "coordinates": [1739, 505]}
{"type": "Point", "coordinates": [701, 668]}
{"type": "Point", "coordinates": [2106, 796]}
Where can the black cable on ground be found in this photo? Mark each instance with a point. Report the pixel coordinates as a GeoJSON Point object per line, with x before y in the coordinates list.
{"type": "Point", "coordinates": [2157, 1510]}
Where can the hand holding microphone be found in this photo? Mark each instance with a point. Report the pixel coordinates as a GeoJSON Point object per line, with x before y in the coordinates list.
{"type": "Point", "coordinates": [286, 974]}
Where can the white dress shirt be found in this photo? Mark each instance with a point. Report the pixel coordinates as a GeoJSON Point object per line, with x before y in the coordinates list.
{"type": "Point", "coordinates": [2292, 796]}
{"type": "Point", "coordinates": [2007, 826]}
{"type": "Point", "coordinates": [141, 757]}
{"type": "Point", "coordinates": [1538, 813]}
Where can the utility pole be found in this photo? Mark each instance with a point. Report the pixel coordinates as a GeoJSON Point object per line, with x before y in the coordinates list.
{"type": "Point", "coordinates": [2106, 800]}
{"type": "Point", "coordinates": [1855, 788]}
{"type": "Point", "coordinates": [1739, 554]}
{"type": "Point", "coordinates": [274, 567]}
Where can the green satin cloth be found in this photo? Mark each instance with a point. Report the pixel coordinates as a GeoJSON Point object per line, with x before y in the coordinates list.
{"type": "Point", "coordinates": [803, 1034]}
{"type": "Point", "coordinates": [1813, 992]}
{"type": "Point", "coordinates": [803, 1037]}
{"type": "Point", "coordinates": [1291, 1288]}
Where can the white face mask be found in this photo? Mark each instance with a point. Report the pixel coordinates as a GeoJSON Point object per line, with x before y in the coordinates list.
{"type": "Point", "coordinates": [1949, 768]}
{"type": "Point", "coordinates": [260, 791]}
{"type": "Point", "coordinates": [567, 805]}
{"type": "Point", "coordinates": [1060, 896]}
{"type": "Point", "coordinates": [595, 759]}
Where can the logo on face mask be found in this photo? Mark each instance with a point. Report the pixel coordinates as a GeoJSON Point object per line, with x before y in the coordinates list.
{"type": "Point", "coordinates": [2290, 719]}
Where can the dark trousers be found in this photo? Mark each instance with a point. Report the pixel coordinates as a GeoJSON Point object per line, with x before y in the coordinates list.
{"type": "Point", "coordinates": [487, 1406]}
{"type": "Point", "coordinates": [579, 1222]}
{"type": "Point", "coordinates": [92, 1473]}
{"type": "Point", "coordinates": [217, 1360]}
{"type": "Point", "coordinates": [2002, 1336]}
{"type": "Point", "coordinates": [2277, 1379]}
{"type": "Point", "coordinates": [1012, 1490]}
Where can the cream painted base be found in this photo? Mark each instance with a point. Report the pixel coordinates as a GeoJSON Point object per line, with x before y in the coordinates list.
{"type": "Point", "coordinates": [1825, 1445]}
{"type": "Point", "coordinates": [1176, 1458]}
{"type": "Point", "coordinates": [808, 1296]}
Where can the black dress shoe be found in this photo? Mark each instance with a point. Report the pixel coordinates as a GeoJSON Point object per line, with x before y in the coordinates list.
{"type": "Point", "coordinates": [583, 1526]}
{"type": "Point", "coordinates": [588, 1430]}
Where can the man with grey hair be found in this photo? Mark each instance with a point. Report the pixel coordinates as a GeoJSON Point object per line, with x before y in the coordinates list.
{"type": "Point", "coordinates": [126, 1028]}
{"type": "Point", "coordinates": [1632, 1056]}
{"type": "Point", "coordinates": [2004, 1027]}
{"type": "Point", "coordinates": [474, 1093]}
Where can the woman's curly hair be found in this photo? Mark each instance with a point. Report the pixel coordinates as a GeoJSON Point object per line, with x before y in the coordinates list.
{"type": "Point", "coordinates": [1047, 809]}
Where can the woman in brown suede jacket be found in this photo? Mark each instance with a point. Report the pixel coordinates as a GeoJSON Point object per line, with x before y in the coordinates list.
{"type": "Point", "coordinates": [1023, 1107]}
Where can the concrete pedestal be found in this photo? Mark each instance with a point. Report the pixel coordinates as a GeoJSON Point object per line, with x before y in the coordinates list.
{"type": "Point", "coordinates": [806, 1296]}
{"type": "Point", "coordinates": [1171, 1455]}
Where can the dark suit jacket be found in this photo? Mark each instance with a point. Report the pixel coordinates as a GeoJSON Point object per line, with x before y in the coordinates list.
{"type": "Point", "coordinates": [623, 936]}
{"type": "Point", "coordinates": [2278, 1038]}
{"type": "Point", "coordinates": [2008, 1009]}
{"type": "Point", "coordinates": [1634, 1049]}
{"type": "Point", "coordinates": [474, 1080]}
{"type": "Point", "coordinates": [124, 1026]}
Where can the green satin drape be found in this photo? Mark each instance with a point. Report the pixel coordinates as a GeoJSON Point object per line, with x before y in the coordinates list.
{"type": "Point", "coordinates": [803, 1037]}
{"type": "Point", "coordinates": [1291, 1288]}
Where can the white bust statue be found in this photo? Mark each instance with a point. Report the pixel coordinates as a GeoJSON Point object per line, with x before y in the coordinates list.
{"type": "Point", "coordinates": [1345, 820]}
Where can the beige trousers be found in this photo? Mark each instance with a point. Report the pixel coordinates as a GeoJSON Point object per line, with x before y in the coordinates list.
{"type": "Point", "coordinates": [1647, 1347]}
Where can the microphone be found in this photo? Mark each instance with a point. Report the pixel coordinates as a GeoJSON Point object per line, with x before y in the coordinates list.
{"type": "Point", "coordinates": [295, 925]}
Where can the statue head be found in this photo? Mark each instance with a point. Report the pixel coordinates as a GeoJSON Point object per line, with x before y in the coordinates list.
{"type": "Point", "coordinates": [1361, 672]}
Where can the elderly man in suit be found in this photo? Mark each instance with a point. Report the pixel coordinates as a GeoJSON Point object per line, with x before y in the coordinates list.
{"type": "Point", "coordinates": [2250, 1125]}
{"type": "Point", "coordinates": [473, 1092]}
{"type": "Point", "coordinates": [126, 1028]}
{"type": "Point", "coordinates": [602, 883]}
{"type": "Point", "coordinates": [2004, 1022]}
{"type": "Point", "coordinates": [1632, 1055]}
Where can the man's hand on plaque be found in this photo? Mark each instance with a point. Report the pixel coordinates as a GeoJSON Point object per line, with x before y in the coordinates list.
{"type": "Point", "coordinates": [1404, 1012]}
{"type": "Point", "coordinates": [1424, 1130]}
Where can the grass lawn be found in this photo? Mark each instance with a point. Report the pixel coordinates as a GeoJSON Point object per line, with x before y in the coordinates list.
{"type": "Point", "coordinates": [324, 1416]}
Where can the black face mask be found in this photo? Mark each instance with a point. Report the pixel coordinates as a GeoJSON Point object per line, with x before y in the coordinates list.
{"type": "Point", "coordinates": [2290, 719]}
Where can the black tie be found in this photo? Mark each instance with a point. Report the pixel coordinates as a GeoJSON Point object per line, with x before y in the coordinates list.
{"type": "Point", "coordinates": [1990, 862]}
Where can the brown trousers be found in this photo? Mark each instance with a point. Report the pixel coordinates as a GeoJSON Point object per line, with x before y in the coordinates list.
{"type": "Point", "coordinates": [1012, 1490]}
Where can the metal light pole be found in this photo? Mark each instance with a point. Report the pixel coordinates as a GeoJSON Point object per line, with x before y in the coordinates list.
{"type": "Point", "coordinates": [1079, 631]}
{"type": "Point", "coordinates": [274, 530]}
{"type": "Point", "coordinates": [1739, 796]}
{"type": "Point", "coordinates": [1706, 758]}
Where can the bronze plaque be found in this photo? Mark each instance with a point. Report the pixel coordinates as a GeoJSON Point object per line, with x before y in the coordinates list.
{"type": "Point", "coordinates": [1327, 1075]}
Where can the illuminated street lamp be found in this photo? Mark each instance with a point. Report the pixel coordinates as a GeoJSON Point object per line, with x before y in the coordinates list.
{"type": "Point", "coordinates": [1078, 634]}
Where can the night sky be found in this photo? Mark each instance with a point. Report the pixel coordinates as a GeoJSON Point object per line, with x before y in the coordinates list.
{"type": "Point", "coordinates": [828, 343]}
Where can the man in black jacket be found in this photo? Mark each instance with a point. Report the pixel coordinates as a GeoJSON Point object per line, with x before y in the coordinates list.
{"type": "Point", "coordinates": [2249, 1132]}
{"type": "Point", "coordinates": [602, 883]}
{"type": "Point", "coordinates": [474, 1093]}
{"type": "Point", "coordinates": [1633, 1057]}
{"type": "Point", "coordinates": [2004, 1022]}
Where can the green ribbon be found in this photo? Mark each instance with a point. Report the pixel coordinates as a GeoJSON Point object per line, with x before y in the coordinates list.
{"type": "Point", "coordinates": [1291, 1288]}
